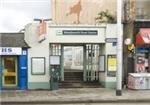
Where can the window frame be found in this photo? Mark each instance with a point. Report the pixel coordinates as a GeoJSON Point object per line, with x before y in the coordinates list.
{"type": "Point", "coordinates": [33, 73]}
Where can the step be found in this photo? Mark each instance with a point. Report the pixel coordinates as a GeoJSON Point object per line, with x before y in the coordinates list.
{"type": "Point", "coordinates": [73, 78]}
{"type": "Point", "coordinates": [70, 81]}
{"type": "Point", "coordinates": [73, 75]}
{"type": "Point", "coordinates": [70, 85]}
{"type": "Point", "coordinates": [79, 84]}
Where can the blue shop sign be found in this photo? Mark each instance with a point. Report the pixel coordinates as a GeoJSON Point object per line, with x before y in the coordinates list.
{"type": "Point", "coordinates": [141, 51]}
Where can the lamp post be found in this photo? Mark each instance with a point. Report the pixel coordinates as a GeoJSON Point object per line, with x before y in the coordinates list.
{"type": "Point", "coordinates": [119, 49]}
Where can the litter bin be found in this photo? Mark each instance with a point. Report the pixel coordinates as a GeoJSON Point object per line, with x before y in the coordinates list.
{"type": "Point", "coordinates": [139, 81]}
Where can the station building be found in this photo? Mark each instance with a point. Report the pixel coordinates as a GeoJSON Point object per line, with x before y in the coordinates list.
{"type": "Point", "coordinates": [97, 63]}
{"type": "Point", "coordinates": [74, 45]}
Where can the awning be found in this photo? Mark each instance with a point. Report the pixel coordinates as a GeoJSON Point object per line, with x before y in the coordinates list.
{"type": "Point", "coordinates": [143, 37]}
{"type": "Point", "coordinates": [13, 40]}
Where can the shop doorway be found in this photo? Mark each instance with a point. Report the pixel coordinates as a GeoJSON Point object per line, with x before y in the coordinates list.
{"type": "Point", "coordinates": [9, 71]}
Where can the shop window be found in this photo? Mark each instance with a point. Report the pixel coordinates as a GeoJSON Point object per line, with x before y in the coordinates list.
{"type": "Point", "coordinates": [38, 65]}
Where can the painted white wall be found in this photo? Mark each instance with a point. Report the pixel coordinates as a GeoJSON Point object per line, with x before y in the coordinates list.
{"type": "Point", "coordinates": [108, 49]}
{"type": "Point", "coordinates": [111, 32]}
{"type": "Point", "coordinates": [36, 50]}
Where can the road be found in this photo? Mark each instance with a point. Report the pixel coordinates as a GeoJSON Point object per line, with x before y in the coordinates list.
{"type": "Point", "coordinates": [88, 104]}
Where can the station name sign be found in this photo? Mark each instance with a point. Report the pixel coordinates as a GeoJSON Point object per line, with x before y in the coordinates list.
{"type": "Point", "coordinates": [77, 32]}
{"type": "Point", "coordinates": [10, 51]}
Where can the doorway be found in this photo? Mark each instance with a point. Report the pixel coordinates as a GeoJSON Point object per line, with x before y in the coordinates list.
{"type": "Point", "coordinates": [73, 59]}
{"type": "Point", "coordinates": [9, 71]}
{"type": "Point", "coordinates": [79, 63]}
{"type": "Point", "coordinates": [73, 66]}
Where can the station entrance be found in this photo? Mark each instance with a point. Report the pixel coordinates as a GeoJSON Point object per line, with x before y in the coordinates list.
{"type": "Point", "coordinates": [79, 64]}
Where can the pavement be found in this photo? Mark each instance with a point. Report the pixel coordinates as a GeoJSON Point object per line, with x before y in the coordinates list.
{"type": "Point", "coordinates": [74, 95]}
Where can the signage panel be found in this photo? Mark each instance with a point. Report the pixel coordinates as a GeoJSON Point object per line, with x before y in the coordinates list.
{"type": "Point", "coordinates": [111, 40]}
{"type": "Point", "coordinates": [111, 65]}
{"type": "Point", "coordinates": [140, 63]}
{"type": "Point", "coordinates": [77, 32]}
{"type": "Point", "coordinates": [80, 32]}
{"type": "Point", "coordinates": [10, 51]}
{"type": "Point", "coordinates": [42, 31]}
{"type": "Point", "coordinates": [55, 60]}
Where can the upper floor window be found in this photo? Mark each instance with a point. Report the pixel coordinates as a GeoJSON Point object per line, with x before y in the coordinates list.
{"type": "Point", "coordinates": [142, 9]}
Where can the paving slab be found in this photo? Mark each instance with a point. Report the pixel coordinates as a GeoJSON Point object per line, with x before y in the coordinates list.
{"type": "Point", "coordinates": [74, 95]}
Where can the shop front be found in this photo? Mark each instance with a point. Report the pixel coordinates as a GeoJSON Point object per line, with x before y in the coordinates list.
{"type": "Point", "coordinates": [142, 52]}
{"type": "Point", "coordinates": [140, 76]}
{"type": "Point", "coordinates": [13, 62]}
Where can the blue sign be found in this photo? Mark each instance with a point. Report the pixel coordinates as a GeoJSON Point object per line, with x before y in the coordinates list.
{"type": "Point", "coordinates": [5, 50]}
{"type": "Point", "coordinates": [141, 51]}
{"type": "Point", "coordinates": [10, 50]}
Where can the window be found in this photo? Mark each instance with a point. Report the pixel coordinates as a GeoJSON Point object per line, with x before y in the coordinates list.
{"type": "Point", "coordinates": [38, 65]}
{"type": "Point", "coordinates": [142, 9]}
{"type": "Point", "coordinates": [102, 63]}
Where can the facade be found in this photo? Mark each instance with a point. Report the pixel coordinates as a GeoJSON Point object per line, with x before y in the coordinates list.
{"type": "Point", "coordinates": [73, 42]}
{"type": "Point", "coordinates": [80, 11]}
{"type": "Point", "coordinates": [142, 9]}
{"type": "Point", "coordinates": [142, 42]}
{"type": "Point", "coordinates": [13, 61]}
{"type": "Point", "coordinates": [99, 53]}
{"type": "Point", "coordinates": [141, 37]}
{"type": "Point", "coordinates": [139, 58]}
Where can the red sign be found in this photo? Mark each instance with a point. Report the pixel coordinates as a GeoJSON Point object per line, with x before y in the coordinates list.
{"type": "Point", "coordinates": [145, 33]}
{"type": "Point", "coordinates": [42, 28]}
{"type": "Point", "coordinates": [42, 31]}
{"type": "Point", "coordinates": [143, 36]}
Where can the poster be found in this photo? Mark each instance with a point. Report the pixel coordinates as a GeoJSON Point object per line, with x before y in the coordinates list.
{"type": "Point", "coordinates": [102, 63]}
{"type": "Point", "coordinates": [112, 63]}
{"type": "Point", "coordinates": [55, 60]}
{"type": "Point", "coordinates": [38, 65]}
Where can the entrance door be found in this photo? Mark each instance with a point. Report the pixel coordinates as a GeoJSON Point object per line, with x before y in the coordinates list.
{"type": "Point", "coordinates": [9, 71]}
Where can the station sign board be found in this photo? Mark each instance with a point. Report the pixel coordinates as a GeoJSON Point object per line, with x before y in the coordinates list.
{"type": "Point", "coordinates": [77, 32]}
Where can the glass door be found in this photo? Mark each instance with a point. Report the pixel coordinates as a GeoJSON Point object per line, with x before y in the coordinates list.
{"type": "Point", "coordinates": [9, 71]}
